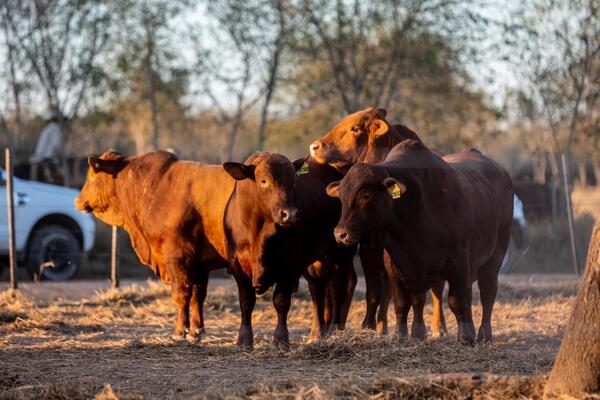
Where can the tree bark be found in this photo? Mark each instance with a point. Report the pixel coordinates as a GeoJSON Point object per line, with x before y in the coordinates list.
{"type": "Point", "coordinates": [272, 80]}
{"type": "Point", "coordinates": [576, 370]}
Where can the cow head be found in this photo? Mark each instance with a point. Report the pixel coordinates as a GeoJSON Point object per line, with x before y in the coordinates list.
{"type": "Point", "coordinates": [350, 140]}
{"type": "Point", "coordinates": [98, 194]}
{"type": "Point", "coordinates": [266, 180]}
{"type": "Point", "coordinates": [367, 194]}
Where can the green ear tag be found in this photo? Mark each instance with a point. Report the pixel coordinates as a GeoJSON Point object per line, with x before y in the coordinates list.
{"type": "Point", "coordinates": [303, 169]}
{"type": "Point", "coordinates": [396, 191]}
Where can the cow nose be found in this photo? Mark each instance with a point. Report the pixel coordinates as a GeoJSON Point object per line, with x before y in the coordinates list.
{"type": "Point", "coordinates": [288, 215]}
{"type": "Point", "coordinates": [341, 234]}
{"type": "Point", "coordinates": [315, 146]}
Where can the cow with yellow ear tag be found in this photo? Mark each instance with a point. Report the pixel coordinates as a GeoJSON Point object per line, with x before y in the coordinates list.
{"type": "Point", "coordinates": [438, 219]}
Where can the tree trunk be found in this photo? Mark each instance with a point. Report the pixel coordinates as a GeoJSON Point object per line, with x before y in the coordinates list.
{"type": "Point", "coordinates": [151, 76]}
{"type": "Point", "coordinates": [270, 89]}
{"type": "Point", "coordinates": [577, 367]}
{"type": "Point", "coordinates": [596, 167]}
{"type": "Point", "coordinates": [582, 174]}
{"type": "Point", "coordinates": [154, 110]}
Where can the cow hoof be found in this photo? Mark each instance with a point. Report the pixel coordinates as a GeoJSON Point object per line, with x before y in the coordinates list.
{"type": "Point", "coordinates": [194, 337]}
{"type": "Point", "coordinates": [438, 333]}
{"type": "Point", "coordinates": [178, 337]}
{"type": "Point", "coordinates": [402, 331]}
{"type": "Point", "coordinates": [485, 334]}
{"type": "Point", "coordinates": [467, 341]}
{"type": "Point", "coordinates": [382, 328]}
{"type": "Point", "coordinates": [281, 344]}
{"type": "Point", "coordinates": [418, 332]}
{"type": "Point", "coordinates": [316, 335]}
{"type": "Point", "coordinates": [369, 325]}
{"type": "Point", "coordinates": [248, 346]}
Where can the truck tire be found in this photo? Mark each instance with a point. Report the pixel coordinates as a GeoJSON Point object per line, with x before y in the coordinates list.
{"type": "Point", "coordinates": [57, 248]}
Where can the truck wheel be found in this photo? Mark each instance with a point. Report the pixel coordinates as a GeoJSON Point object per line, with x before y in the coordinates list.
{"type": "Point", "coordinates": [55, 251]}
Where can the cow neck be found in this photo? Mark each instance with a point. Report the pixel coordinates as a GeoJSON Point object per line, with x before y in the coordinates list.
{"type": "Point", "coordinates": [257, 226]}
{"type": "Point", "coordinates": [378, 150]}
{"type": "Point", "coordinates": [135, 187]}
{"type": "Point", "coordinates": [427, 178]}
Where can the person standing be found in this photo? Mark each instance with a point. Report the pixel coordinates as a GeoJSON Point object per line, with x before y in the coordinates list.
{"type": "Point", "coordinates": [47, 162]}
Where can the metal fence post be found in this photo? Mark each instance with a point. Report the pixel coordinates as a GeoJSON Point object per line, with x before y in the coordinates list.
{"type": "Point", "coordinates": [114, 265]}
{"type": "Point", "coordinates": [565, 169]}
{"type": "Point", "coordinates": [10, 207]}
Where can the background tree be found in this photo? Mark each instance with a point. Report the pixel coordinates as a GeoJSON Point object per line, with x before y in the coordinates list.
{"type": "Point", "coordinates": [146, 43]}
{"type": "Point", "coordinates": [61, 41]}
{"type": "Point", "coordinates": [558, 59]}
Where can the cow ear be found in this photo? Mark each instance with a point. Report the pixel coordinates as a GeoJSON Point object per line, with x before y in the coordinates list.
{"type": "Point", "coordinates": [379, 127]}
{"type": "Point", "coordinates": [112, 167]}
{"type": "Point", "coordinates": [394, 187]}
{"type": "Point", "coordinates": [333, 189]}
{"type": "Point", "coordinates": [239, 171]}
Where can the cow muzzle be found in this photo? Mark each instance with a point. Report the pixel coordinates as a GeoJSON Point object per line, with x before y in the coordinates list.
{"type": "Point", "coordinates": [343, 236]}
{"type": "Point", "coordinates": [82, 206]}
{"type": "Point", "coordinates": [287, 216]}
{"type": "Point", "coordinates": [317, 149]}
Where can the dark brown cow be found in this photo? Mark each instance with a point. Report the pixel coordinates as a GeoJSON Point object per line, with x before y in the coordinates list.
{"type": "Point", "coordinates": [173, 211]}
{"type": "Point", "coordinates": [439, 219]}
{"type": "Point", "coordinates": [366, 136]}
{"type": "Point", "coordinates": [309, 247]}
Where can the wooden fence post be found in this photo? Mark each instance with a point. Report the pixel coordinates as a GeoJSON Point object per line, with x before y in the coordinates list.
{"type": "Point", "coordinates": [114, 265]}
{"type": "Point", "coordinates": [10, 207]}
{"type": "Point", "coordinates": [565, 169]}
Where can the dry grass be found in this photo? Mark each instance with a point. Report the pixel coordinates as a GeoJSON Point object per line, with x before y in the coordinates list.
{"type": "Point", "coordinates": [70, 349]}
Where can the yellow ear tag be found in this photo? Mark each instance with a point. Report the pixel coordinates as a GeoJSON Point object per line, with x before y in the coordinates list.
{"type": "Point", "coordinates": [303, 169]}
{"type": "Point", "coordinates": [396, 191]}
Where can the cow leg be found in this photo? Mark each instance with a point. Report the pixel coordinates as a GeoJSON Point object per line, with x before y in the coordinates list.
{"type": "Point", "coordinates": [438, 323]}
{"type": "Point", "coordinates": [488, 288]}
{"type": "Point", "coordinates": [401, 307]}
{"type": "Point", "coordinates": [247, 298]}
{"type": "Point", "coordinates": [333, 296]}
{"type": "Point", "coordinates": [459, 300]}
{"type": "Point", "coordinates": [197, 307]}
{"type": "Point", "coordinates": [181, 294]}
{"type": "Point", "coordinates": [487, 282]}
{"type": "Point", "coordinates": [382, 312]}
{"type": "Point", "coordinates": [328, 306]}
{"type": "Point", "coordinates": [282, 299]}
{"type": "Point", "coordinates": [317, 290]}
{"type": "Point", "coordinates": [348, 283]}
{"type": "Point", "coordinates": [418, 329]}
{"type": "Point", "coordinates": [372, 262]}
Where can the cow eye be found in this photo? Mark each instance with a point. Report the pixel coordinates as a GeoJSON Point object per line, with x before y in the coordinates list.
{"type": "Point", "coordinates": [366, 197]}
{"type": "Point", "coordinates": [264, 184]}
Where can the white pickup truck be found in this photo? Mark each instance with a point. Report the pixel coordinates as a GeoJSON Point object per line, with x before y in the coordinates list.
{"type": "Point", "coordinates": [51, 236]}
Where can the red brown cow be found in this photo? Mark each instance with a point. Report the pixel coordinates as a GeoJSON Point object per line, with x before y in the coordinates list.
{"type": "Point", "coordinates": [439, 219]}
{"type": "Point", "coordinates": [173, 211]}
{"type": "Point", "coordinates": [366, 136]}
{"type": "Point", "coordinates": [309, 247]}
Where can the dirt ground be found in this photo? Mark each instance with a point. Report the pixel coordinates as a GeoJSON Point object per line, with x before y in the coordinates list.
{"type": "Point", "coordinates": [70, 340]}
